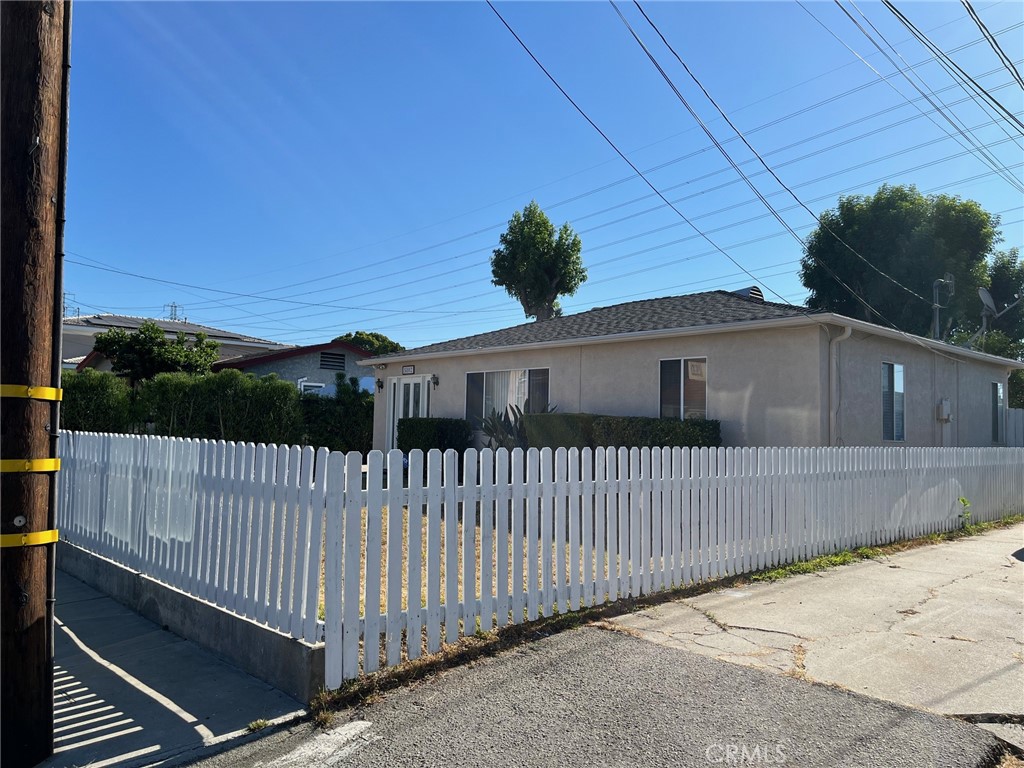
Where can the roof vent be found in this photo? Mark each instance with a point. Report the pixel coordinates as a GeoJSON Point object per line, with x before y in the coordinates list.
{"type": "Point", "coordinates": [753, 292]}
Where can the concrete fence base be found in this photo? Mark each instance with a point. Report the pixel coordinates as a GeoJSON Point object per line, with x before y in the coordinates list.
{"type": "Point", "coordinates": [293, 666]}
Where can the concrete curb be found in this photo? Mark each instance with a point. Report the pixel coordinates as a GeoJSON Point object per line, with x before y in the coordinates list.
{"type": "Point", "coordinates": [291, 665]}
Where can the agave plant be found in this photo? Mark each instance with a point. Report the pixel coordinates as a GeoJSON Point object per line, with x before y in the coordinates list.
{"type": "Point", "coordinates": [508, 428]}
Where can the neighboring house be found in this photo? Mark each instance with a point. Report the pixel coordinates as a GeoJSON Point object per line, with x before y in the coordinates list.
{"type": "Point", "coordinates": [79, 336]}
{"type": "Point", "coordinates": [772, 374]}
{"type": "Point", "coordinates": [311, 369]}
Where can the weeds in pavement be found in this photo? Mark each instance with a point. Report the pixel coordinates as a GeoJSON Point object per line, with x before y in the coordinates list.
{"type": "Point", "coordinates": [257, 725]}
{"type": "Point", "coordinates": [467, 650]}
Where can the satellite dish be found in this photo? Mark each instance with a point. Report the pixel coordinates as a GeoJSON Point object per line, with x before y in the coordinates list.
{"type": "Point", "coordinates": [986, 299]}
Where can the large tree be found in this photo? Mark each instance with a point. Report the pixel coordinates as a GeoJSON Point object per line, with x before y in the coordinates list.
{"type": "Point", "coordinates": [371, 342]}
{"type": "Point", "coordinates": [144, 353]}
{"type": "Point", "coordinates": [535, 265]}
{"type": "Point", "coordinates": [913, 238]}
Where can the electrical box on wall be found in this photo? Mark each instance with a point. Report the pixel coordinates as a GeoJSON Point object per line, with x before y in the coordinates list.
{"type": "Point", "coordinates": [943, 412]}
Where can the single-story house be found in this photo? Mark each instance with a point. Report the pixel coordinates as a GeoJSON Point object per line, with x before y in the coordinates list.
{"type": "Point", "coordinates": [311, 368]}
{"type": "Point", "coordinates": [79, 335]}
{"type": "Point", "coordinates": [772, 374]}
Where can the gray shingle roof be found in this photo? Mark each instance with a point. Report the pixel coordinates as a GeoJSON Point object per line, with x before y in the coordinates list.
{"type": "Point", "coordinates": [672, 312]}
{"type": "Point", "coordinates": [129, 323]}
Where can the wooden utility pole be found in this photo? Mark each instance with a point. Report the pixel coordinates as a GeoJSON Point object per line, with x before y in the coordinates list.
{"type": "Point", "coordinates": [34, 62]}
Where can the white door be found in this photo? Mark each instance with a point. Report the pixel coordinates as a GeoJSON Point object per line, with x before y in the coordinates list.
{"type": "Point", "coordinates": [407, 396]}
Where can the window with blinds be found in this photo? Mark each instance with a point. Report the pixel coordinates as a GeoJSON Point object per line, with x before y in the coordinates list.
{"type": "Point", "coordinates": [893, 403]}
{"type": "Point", "coordinates": [684, 388]}
{"type": "Point", "coordinates": [497, 390]}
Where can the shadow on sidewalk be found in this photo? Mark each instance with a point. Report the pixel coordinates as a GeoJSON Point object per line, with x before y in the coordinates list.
{"type": "Point", "coordinates": [127, 692]}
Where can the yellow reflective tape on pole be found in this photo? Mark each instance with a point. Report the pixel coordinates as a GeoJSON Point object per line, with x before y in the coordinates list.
{"type": "Point", "coordinates": [28, 539]}
{"type": "Point", "coordinates": [29, 465]}
{"type": "Point", "coordinates": [32, 393]}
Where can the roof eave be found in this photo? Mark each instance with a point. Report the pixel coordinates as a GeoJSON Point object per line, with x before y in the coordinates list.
{"type": "Point", "coordinates": [821, 318]}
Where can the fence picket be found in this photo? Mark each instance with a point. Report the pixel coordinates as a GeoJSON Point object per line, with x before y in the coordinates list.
{"type": "Point", "coordinates": [372, 572]}
{"type": "Point", "coordinates": [414, 599]}
{"type": "Point", "coordinates": [434, 534]}
{"type": "Point", "coordinates": [470, 497]}
{"type": "Point", "coordinates": [246, 526]}
{"type": "Point", "coordinates": [396, 540]}
{"type": "Point", "coordinates": [451, 546]}
{"type": "Point", "coordinates": [352, 526]}
{"type": "Point", "coordinates": [487, 516]}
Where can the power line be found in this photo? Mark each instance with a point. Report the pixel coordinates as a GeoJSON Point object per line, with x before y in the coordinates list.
{"type": "Point", "coordinates": [750, 184]}
{"type": "Point", "coordinates": [951, 117]}
{"type": "Point", "coordinates": [943, 58]}
{"type": "Point", "coordinates": [376, 265]}
{"type": "Point", "coordinates": [993, 43]}
{"type": "Point", "coordinates": [382, 275]}
{"type": "Point", "coordinates": [984, 156]}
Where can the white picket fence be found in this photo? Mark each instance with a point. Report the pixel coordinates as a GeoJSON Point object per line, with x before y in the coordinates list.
{"type": "Point", "coordinates": [530, 533]}
{"type": "Point", "coordinates": [235, 524]}
{"type": "Point", "coordinates": [419, 554]}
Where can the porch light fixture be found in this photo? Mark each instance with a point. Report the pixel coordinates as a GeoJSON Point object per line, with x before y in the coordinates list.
{"type": "Point", "coordinates": [434, 380]}
{"type": "Point", "coordinates": [380, 385]}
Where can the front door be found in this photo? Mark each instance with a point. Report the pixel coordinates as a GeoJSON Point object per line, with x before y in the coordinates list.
{"type": "Point", "coordinates": [408, 396]}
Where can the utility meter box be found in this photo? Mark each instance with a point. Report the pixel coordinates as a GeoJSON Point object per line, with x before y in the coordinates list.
{"type": "Point", "coordinates": [943, 412]}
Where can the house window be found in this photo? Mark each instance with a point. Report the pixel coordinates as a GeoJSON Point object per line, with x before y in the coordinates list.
{"type": "Point", "coordinates": [998, 413]}
{"type": "Point", "coordinates": [497, 390]}
{"type": "Point", "coordinates": [893, 402]}
{"type": "Point", "coordinates": [310, 386]}
{"type": "Point", "coordinates": [332, 361]}
{"type": "Point", "coordinates": [684, 388]}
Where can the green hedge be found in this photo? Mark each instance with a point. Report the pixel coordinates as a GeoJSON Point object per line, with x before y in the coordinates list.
{"type": "Point", "coordinates": [229, 405]}
{"type": "Point", "coordinates": [96, 402]}
{"type": "Point", "coordinates": [559, 430]}
{"type": "Point", "coordinates": [641, 432]}
{"type": "Point", "coordinates": [587, 430]}
{"type": "Point", "coordinates": [427, 433]}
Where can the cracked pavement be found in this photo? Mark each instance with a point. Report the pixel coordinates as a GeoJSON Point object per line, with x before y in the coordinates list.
{"type": "Point", "coordinates": [939, 628]}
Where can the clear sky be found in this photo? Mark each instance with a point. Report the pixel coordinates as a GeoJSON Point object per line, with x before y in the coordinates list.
{"type": "Point", "coordinates": [305, 169]}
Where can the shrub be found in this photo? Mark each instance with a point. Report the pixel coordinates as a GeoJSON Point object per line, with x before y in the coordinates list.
{"type": "Point", "coordinates": [640, 432]}
{"type": "Point", "coordinates": [95, 401]}
{"type": "Point", "coordinates": [559, 430]}
{"type": "Point", "coordinates": [427, 433]}
{"type": "Point", "coordinates": [343, 422]}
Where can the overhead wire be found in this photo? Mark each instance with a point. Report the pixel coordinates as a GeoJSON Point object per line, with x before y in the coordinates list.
{"type": "Point", "coordinates": [979, 149]}
{"type": "Point", "coordinates": [494, 227]}
{"type": "Point", "coordinates": [993, 43]}
{"type": "Point", "coordinates": [768, 168]}
{"type": "Point", "coordinates": [950, 64]}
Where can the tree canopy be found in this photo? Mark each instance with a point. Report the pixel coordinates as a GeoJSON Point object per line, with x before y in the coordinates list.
{"type": "Point", "coordinates": [535, 266]}
{"type": "Point", "coordinates": [144, 353]}
{"type": "Point", "coordinates": [371, 342]}
{"type": "Point", "coordinates": [915, 239]}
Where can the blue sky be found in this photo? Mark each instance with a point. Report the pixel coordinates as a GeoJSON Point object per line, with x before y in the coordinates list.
{"type": "Point", "coordinates": [299, 170]}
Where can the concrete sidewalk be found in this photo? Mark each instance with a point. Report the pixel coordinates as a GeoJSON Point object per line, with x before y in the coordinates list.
{"type": "Point", "coordinates": [939, 628]}
{"type": "Point", "coordinates": [128, 693]}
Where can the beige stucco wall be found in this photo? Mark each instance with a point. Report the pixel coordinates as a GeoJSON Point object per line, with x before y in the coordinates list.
{"type": "Point", "coordinates": [928, 378]}
{"type": "Point", "coordinates": [767, 387]}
